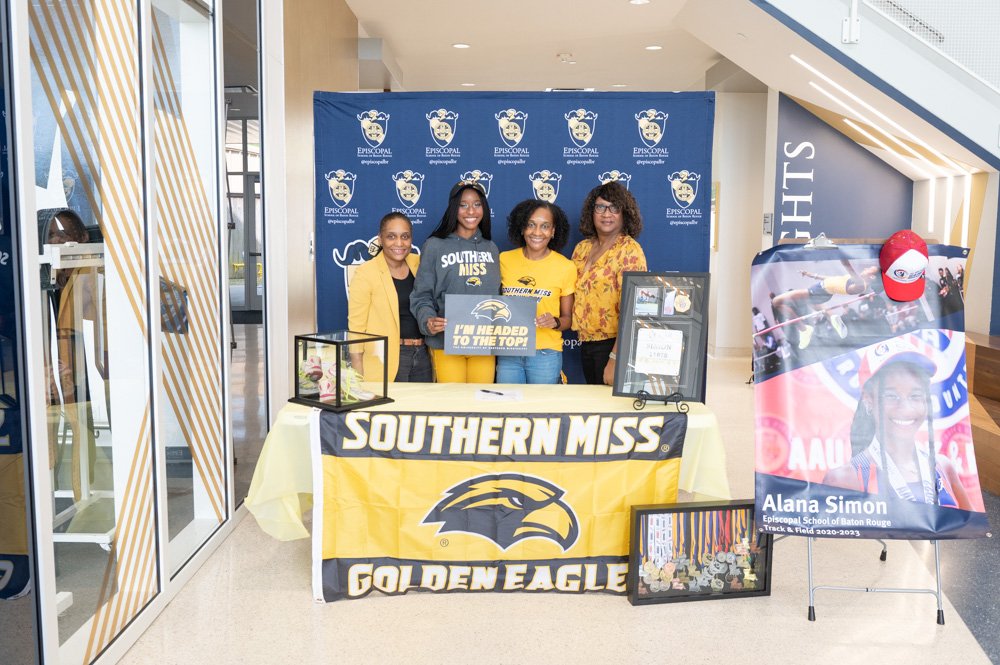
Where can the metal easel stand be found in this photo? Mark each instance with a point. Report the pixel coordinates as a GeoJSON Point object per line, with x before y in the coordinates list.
{"type": "Point", "coordinates": [674, 398]}
{"type": "Point", "coordinates": [882, 557]}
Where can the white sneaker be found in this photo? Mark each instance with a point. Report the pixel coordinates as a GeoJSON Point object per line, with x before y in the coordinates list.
{"type": "Point", "coordinates": [805, 336]}
{"type": "Point", "coordinates": [350, 384]}
{"type": "Point", "coordinates": [838, 324]}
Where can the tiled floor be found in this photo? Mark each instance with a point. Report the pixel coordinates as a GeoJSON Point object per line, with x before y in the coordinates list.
{"type": "Point", "coordinates": [251, 603]}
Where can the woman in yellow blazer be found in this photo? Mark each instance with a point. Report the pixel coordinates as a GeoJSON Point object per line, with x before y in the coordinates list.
{"type": "Point", "coordinates": [379, 303]}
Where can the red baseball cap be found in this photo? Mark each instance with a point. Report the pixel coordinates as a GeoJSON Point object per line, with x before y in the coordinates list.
{"type": "Point", "coordinates": [903, 260]}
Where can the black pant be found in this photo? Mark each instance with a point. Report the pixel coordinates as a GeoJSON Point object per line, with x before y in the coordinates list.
{"type": "Point", "coordinates": [594, 357]}
{"type": "Point", "coordinates": [414, 365]}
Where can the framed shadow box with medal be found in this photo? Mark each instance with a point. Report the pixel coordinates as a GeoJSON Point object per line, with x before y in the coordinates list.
{"type": "Point", "coordinates": [662, 337]}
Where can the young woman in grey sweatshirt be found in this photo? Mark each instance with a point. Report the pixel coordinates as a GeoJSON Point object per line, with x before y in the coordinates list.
{"type": "Point", "coordinates": [460, 258]}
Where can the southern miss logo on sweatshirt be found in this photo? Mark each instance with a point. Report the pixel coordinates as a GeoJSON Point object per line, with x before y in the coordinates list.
{"type": "Point", "coordinates": [469, 262]}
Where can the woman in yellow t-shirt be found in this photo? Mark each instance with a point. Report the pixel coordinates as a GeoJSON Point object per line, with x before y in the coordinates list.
{"type": "Point", "coordinates": [535, 269]}
{"type": "Point", "coordinates": [610, 222]}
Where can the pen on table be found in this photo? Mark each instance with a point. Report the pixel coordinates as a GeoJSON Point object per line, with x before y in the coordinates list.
{"type": "Point", "coordinates": [491, 392]}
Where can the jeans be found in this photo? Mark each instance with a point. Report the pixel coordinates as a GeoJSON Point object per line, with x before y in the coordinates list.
{"type": "Point", "coordinates": [414, 365]}
{"type": "Point", "coordinates": [543, 367]}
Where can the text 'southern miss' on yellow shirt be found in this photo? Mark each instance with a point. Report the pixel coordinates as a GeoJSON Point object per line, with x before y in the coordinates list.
{"type": "Point", "coordinates": [599, 290]}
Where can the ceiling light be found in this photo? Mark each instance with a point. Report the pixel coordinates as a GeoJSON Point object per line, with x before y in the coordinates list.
{"type": "Point", "coordinates": [638, 2]}
{"type": "Point", "coordinates": [654, 47]}
{"type": "Point", "coordinates": [460, 45]}
{"type": "Point", "coordinates": [880, 115]}
{"type": "Point", "coordinates": [617, 85]}
{"type": "Point", "coordinates": [468, 85]}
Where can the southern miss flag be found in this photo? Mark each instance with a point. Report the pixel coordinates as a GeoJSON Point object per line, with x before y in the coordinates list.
{"type": "Point", "coordinates": [484, 501]}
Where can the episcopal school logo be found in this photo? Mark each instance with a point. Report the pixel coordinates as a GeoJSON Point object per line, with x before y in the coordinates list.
{"type": "Point", "coordinates": [341, 186]}
{"type": "Point", "coordinates": [615, 176]}
{"type": "Point", "coordinates": [652, 126]}
{"type": "Point", "coordinates": [444, 125]}
{"type": "Point", "coordinates": [512, 124]}
{"type": "Point", "coordinates": [684, 187]}
{"type": "Point", "coordinates": [545, 185]}
{"type": "Point", "coordinates": [482, 178]}
{"type": "Point", "coordinates": [374, 126]}
{"type": "Point", "coordinates": [582, 124]}
{"type": "Point", "coordinates": [507, 508]}
{"type": "Point", "coordinates": [409, 185]}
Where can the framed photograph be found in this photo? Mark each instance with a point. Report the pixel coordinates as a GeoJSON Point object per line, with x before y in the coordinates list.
{"type": "Point", "coordinates": [662, 336]}
{"type": "Point", "coordinates": [697, 551]}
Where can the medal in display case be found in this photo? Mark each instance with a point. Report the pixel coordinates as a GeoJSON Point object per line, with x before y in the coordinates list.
{"type": "Point", "coordinates": [329, 370]}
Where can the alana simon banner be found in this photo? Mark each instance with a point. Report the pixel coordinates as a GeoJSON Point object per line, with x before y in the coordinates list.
{"type": "Point", "coordinates": [380, 152]}
{"type": "Point", "coordinates": [862, 403]}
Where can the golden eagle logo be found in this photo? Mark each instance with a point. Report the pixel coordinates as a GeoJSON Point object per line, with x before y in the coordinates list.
{"type": "Point", "coordinates": [527, 280]}
{"type": "Point", "coordinates": [507, 508]}
{"type": "Point", "coordinates": [492, 309]}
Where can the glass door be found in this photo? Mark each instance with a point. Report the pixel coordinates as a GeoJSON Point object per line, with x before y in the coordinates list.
{"type": "Point", "coordinates": [18, 598]}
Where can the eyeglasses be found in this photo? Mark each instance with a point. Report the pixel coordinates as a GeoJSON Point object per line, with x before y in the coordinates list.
{"type": "Point", "coordinates": [916, 399]}
{"type": "Point", "coordinates": [601, 208]}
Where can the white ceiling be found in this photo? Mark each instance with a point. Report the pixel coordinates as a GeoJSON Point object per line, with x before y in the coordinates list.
{"type": "Point", "coordinates": [723, 45]}
{"type": "Point", "coordinates": [515, 45]}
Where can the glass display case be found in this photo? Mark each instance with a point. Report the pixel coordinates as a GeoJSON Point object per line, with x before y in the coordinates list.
{"type": "Point", "coordinates": [328, 370]}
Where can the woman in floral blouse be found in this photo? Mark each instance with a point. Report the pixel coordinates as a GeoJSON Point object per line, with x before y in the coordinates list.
{"type": "Point", "coordinates": [610, 222]}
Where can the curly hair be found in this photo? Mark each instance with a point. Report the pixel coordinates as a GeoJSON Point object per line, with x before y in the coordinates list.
{"type": "Point", "coordinates": [518, 218]}
{"type": "Point", "coordinates": [616, 194]}
{"type": "Point", "coordinates": [449, 220]}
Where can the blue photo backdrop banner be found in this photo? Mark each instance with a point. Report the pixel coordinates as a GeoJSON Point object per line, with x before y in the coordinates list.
{"type": "Point", "coordinates": [380, 152]}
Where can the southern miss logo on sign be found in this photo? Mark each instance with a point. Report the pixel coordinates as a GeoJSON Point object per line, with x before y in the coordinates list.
{"type": "Point", "coordinates": [487, 501]}
{"type": "Point", "coordinates": [492, 310]}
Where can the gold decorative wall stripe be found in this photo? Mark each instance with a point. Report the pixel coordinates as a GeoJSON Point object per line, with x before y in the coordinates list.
{"type": "Point", "coordinates": [85, 56]}
{"type": "Point", "coordinates": [124, 242]}
{"type": "Point", "coordinates": [135, 517]}
{"type": "Point", "coordinates": [203, 340]}
{"type": "Point", "coordinates": [188, 256]}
